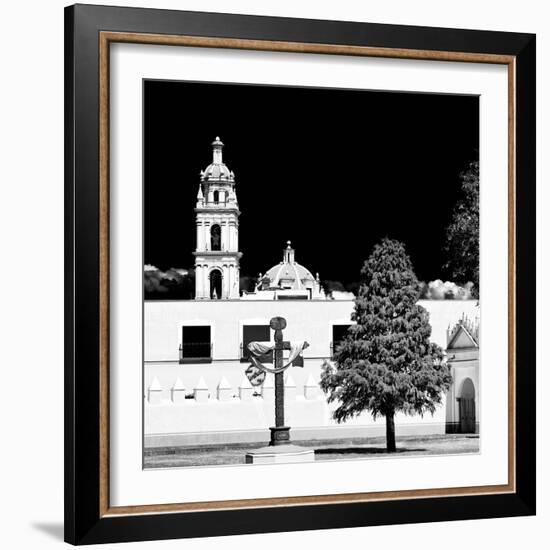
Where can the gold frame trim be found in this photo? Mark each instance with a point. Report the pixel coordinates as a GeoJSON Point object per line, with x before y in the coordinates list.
{"type": "Point", "coordinates": [105, 39]}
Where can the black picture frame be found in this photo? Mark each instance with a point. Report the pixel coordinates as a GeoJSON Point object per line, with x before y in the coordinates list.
{"type": "Point", "coordinates": [84, 521]}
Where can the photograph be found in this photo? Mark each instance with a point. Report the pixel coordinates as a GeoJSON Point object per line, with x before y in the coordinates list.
{"type": "Point", "coordinates": [310, 274]}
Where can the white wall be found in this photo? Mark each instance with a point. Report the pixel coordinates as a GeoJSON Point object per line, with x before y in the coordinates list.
{"type": "Point", "coordinates": [163, 416]}
{"type": "Point", "coordinates": [31, 226]}
{"type": "Point", "coordinates": [309, 320]}
{"type": "Point", "coordinates": [306, 320]}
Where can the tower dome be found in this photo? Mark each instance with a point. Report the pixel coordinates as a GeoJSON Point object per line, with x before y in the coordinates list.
{"type": "Point", "coordinates": [217, 186]}
{"type": "Point", "coordinates": [217, 171]}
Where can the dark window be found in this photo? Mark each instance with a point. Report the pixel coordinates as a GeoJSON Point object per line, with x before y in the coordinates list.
{"type": "Point", "coordinates": [215, 237]}
{"type": "Point", "coordinates": [196, 345]}
{"type": "Point", "coordinates": [216, 197]}
{"type": "Point", "coordinates": [256, 333]}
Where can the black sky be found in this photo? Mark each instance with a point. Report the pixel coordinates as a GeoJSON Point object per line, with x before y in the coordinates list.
{"type": "Point", "coordinates": [332, 170]}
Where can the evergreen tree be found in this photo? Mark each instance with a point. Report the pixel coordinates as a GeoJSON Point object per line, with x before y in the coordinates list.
{"type": "Point", "coordinates": [387, 364]}
{"type": "Point", "coordinates": [462, 238]}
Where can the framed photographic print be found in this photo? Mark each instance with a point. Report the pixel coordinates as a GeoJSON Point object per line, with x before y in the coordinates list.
{"type": "Point", "coordinates": [299, 274]}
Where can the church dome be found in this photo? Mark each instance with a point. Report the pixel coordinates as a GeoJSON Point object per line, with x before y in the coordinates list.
{"type": "Point", "coordinates": [288, 274]}
{"type": "Point", "coordinates": [217, 170]}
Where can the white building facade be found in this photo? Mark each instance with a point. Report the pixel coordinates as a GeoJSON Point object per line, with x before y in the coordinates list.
{"type": "Point", "coordinates": [462, 414]}
{"type": "Point", "coordinates": [195, 351]}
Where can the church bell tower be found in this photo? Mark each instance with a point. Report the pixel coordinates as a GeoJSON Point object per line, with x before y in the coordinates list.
{"type": "Point", "coordinates": [217, 216]}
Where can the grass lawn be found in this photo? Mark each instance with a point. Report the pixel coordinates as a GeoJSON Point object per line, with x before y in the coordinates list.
{"type": "Point", "coordinates": [335, 449]}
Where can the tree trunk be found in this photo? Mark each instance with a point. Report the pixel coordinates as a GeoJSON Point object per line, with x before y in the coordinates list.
{"type": "Point", "coordinates": [390, 432]}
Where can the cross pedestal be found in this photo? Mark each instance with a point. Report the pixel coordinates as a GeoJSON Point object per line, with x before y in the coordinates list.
{"type": "Point", "coordinates": [279, 450]}
{"type": "Point", "coordinates": [280, 435]}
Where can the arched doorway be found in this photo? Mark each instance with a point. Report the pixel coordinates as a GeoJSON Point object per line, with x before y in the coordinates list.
{"type": "Point", "coordinates": [215, 237]}
{"type": "Point", "coordinates": [467, 407]}
{"type": "Point", "coordinates": [215, 284]}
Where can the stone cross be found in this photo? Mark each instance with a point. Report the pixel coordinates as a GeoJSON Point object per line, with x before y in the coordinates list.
{"type": "Point", "coordinates": [280, 434]}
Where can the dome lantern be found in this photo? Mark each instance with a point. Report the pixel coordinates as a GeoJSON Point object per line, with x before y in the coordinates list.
{"type": "Point", "coordinates": [288, 254]}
